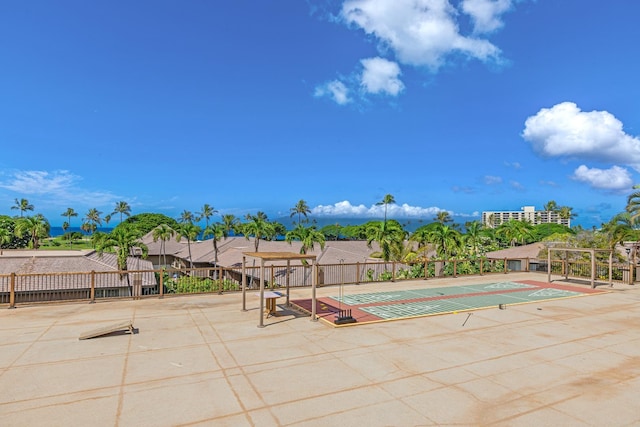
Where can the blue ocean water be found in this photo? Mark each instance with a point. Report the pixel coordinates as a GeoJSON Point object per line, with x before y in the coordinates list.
{"type": "Point", "coordinates": [58, 231]}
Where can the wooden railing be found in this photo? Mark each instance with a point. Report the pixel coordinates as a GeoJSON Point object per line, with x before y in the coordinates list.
{"type": "Point", "coordinates": [18, 288]}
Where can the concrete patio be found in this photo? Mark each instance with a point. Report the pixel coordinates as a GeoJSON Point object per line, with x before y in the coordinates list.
{"type": "Point", "coordinates": [200, 360]}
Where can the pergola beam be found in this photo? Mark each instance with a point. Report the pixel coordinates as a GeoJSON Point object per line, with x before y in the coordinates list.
{"type": "Point", "coordinates": [592, 253]}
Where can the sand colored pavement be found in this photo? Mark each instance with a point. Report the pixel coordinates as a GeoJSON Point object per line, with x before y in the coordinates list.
{"type": "Point", "coordinates": [201, 360]}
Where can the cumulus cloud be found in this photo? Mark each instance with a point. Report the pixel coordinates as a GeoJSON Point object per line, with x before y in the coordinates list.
{"type": "Point", "coordinates": [422, 32]}
{"type": "Point", "coordinates": [566, 131]}
{"type": "Point", "coordinates": [517, 186]}
{"type": "Point", "coordinates": [613, 179]}
{"type": "Point", "coordinates": [492, 180]}
{"type": "Point", "coordinates": [346, 209]}
{"type": "Point", "coordinates": [336, 90]}
{"type": "Point", "coordinates": [381, 76]}
{"type": "Point", "coordinates": [57, 188]}
{"type": "Point", "coordinates": [486, 14]}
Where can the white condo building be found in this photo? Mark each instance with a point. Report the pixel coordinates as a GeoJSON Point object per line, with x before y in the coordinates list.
{"type": "Point", "coordinates": [527, 213]}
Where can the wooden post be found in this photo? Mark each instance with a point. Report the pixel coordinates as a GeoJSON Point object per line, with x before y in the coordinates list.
{"type": "Point", "coordinates": [548, 265]}
{"type": "Point", "coordinates": [481, 266]}
{"type": "Point", "coordinates": [161, 284]}
{"type": "Point", "coordinates": [505, 266]}
{"type": "Point", "coordinates": [287, 280]}
{"type": "Point", "coordinates": [610, 268]}
{"type": "Point", "coordinates": [12, 291]}
{"type": "Point", "coordinates": [244, 284]}
{"type": "Point", "coordinates": [357, 273]}
{"type": "Point", "coordinates": [92, 292]}
{"type": "Point", "coordinates": [455, 268]}
{"type": "Point", "coordinates": [220, 284]}
{"type": "Point", "coordinates": [273, 277]}
{"type": "Point", "coordinates": [314, 266]}
{"type": "Point", "coordinates": [393, 271]}
{"type": "Point", "coordinates": [261, 324]}
{"type": "Point", "coordinates": [593, 268]}
{"type": "Point", "coordinates": [426, 269]}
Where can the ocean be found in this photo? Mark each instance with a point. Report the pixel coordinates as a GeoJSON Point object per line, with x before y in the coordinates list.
{"type": "Point", "coordinates": [58, 231]}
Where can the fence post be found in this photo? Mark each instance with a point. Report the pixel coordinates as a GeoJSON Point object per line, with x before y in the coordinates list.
{"type": "Point", "coordinates": [12, 291]}
{"type": "Point", "coordinates": [481, 266]}
{"type": "Point", "coordinates": [357, 273]}
{"type": "Point", "coordinates": [426, 269]}
{"type": "Point", "coordinates": [393, 271]}
{"type": "Point", "coordinates": [92, 292]}
{"type": "Point", "coordinates": [455, 268]}
{"type": "Point", "coordinates": [273, 276]}
{"type": "Point", "coordinates": [505, 266]}
{"type": "Point", "coordinates": [220, 284]}
{"type": "Point", "coordinates": [161, 284]}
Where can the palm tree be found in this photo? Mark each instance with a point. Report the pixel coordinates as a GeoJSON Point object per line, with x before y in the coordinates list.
{"type": "Point", "coordinates": [190, 232]}
{"type": "Point", "coordinates": [633, 205]}
{"type": "Point", "coordinates": [22, 205]}
{"type": "Point", "coordinates": [164, 233]}
{"type": "Point", "coordinates": [443, 217]}
{"type": "Point", "coordinates": [386, 200]}
{"type": "Point", "coordinates": [514, 231]}
{"type": "Point", "coordinates": [474, 235]}
{"type": "Point", "coordinates": [186, 217]}
{"type": "Point", "coordinates": [446, 239]}
{"type": "Point", "coordinates": [389, 235]}
{"type": "Point", "coordinates": [216, 231]}
{"type": "Point", "coordinates": [207, 212]}
{"type": "Point", "coordinates": [69, 213]}
{"type": "Point", "coordinates": [93, 217]}
{"type": "Point", "coordinates": [301, 208]}
{"type": "Point", "coordinates": [122, 240]}
{"type": "Point", "coordinates": [258, 227]}
{"type": "Point", "coordinates": [35, 226]}
{"type": "Point", "coordinates": [566, 212]}
{"type": "Point", "coordinates": [308, 236]}
{"type": "Point", "coordinates": [229, 224]}
{"type": "Point", "coordinates": [107, 218]}
{"type": "Point", "coordinates": [121, 208]}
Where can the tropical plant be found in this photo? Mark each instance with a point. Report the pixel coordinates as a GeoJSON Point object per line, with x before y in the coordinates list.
{"type": "Point", "coordinates": [69, 213]}
{"type": "Point", "coordinates": [386, 201]}
{"type": "Point", "coordinates": [186, 217]}
{"type": "Point", "coordinates": [22, 205]}
{"type": "Point", "coordinates": [216, 231]}
{"type": "Point", "coordinates": [390, 236]}
{"type": "Point", "coordinates": [36, 227]}
{"type": "Point", "coordinates": [550, 206]}
{"type": "Point", "coordinates": [190, 232]}
{"type": "Point", "coordinates": [474, 236]}
{"type": "Point", "coordinates": [5, 237]}
{"type": "Point", "coordinates": [164, 233]}
{"type": "Point", "coordinates": [121, 241]}
{"type": "Point", "coordinates": [229, 224]}
{"type": "Point", "coordinates": [307, 236]}
{"type": "Point", "coordinates": [258, 227]}
{"type": "Point", "coordinates": [121, 208]}
{"type": "Point", "coordinates": [146, 222]}
{"type": "Point", "coordinates": [301, 209]}
{"type": "Point", "coordinates": [206, 213]}
{"type": "Point", "coordinates": [443, 217]}
{"type": "Point", "coordinates": [566, 212]}
{"type": "Point", "coordinates": [514, 231]}
{"type": "Point", "coordinates": [445, 239]}
{"type": "Point", "coordinates": [93, 217]}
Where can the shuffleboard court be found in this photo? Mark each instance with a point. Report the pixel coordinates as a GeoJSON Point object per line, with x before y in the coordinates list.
{"type": "Point", "coordinates": [403, 304]}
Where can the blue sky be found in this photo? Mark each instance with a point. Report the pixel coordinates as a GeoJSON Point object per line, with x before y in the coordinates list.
{"type": "Point", "coordinates": [465, 106]}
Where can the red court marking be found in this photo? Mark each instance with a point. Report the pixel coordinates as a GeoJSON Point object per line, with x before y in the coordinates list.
{"type": "Point", "coordinates": [327, 308]}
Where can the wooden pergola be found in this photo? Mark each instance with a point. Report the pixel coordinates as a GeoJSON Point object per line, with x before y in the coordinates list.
{"type": "Point", "coordinates": [276, 256]}
{"type": "Point", "coordinates": [592, 252]}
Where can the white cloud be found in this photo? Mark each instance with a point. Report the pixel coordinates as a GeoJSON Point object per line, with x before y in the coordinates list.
{"type": "Point", "coordinates": [381, 76]}
{"type": "Point", "coordinates": [492, 180]}
{"type": "Point", "coordinates": [565, 131]}
{"type": "Point", "coordinates": [346, 209]}
{"type": "Point", "coordinates": [486, 14]}
{"type": "Point", "coordinates": [57, 188]}
{"type": "Point", "coordinates": [516, 186]}
{"type": "Point", "coordinates": [419, 32]}
{"type": "Point", "coordinates": [613, 179]}
{"type": "Point", "coordinates": [336, 90]}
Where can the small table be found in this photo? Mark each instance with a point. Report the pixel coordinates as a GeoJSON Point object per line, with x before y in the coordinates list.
{"type": "Point", "coordinates": [270, 302]}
